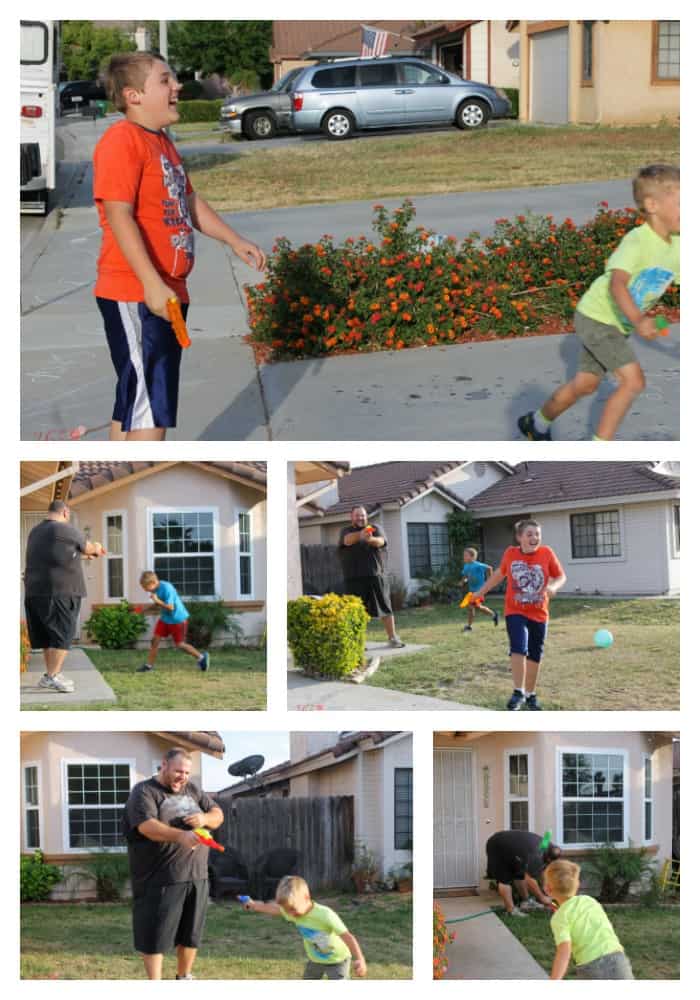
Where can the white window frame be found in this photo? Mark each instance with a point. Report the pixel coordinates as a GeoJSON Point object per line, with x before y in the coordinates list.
{"type": "Point", "coordinates": [251, 555]}
{"type": "Point", "coordinates": [66, 762]}
{"type": "Point", "coordinates": [160, 509]}
{"type": "Point", "coordinates": [508, 798]}
{"type": "Point", "coordinates": [581, 561]}
{"type": "Point", "coordinates": [647, 758]}
{"type": "Point", "coordinates": [105, 569]}
{"type": "Point", "coordinates": [560, 751]}
{"type": "Point", "coordinates": [26, 807]}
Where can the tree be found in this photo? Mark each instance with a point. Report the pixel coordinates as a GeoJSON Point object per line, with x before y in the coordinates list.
{"type": "Point", "coordinates": [85, 49]}
{"type": "Point", "coordinates": [229, 48]}
{"type": "Point", "coordinates": [462, 533]}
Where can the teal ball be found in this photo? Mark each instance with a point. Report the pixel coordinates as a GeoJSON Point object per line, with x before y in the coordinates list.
{"type": "Point", "coordinates": [603, 638]}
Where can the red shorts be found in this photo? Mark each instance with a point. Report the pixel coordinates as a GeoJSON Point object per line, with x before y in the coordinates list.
{"type": "Point", "coordinates": [178, 631]}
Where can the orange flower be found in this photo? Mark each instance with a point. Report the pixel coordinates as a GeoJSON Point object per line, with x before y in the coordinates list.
{"type": "Point", "coordinates": [406, 317]}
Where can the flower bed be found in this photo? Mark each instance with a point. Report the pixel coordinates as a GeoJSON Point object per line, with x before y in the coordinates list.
{"type": "Point", "coordinates": [409, 288]}
{"type": "Point", "coordinates": [441, 938]}
{"type": "Point", "coordinates": [24, 647]}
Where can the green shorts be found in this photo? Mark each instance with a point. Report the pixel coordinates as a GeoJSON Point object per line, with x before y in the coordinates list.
{"type": "Point", "coordinates": [603, 347]}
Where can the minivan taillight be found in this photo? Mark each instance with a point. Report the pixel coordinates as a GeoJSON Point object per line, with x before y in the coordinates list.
{"type": "Point", "coordinates": [298, 102]}
{"type": "Point", "coordinates": [31, 111]}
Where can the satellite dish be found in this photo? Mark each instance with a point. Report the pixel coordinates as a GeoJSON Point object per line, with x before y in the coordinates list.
{"type": "Point", "coordinates": [247, 767]}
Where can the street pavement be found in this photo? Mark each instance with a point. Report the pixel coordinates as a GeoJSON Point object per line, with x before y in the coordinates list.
{"type": "Point", "coordinates": [460, 392]}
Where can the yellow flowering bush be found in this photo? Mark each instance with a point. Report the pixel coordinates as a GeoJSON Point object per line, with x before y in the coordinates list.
{"type": "Point", "coordinates": [327, 634]}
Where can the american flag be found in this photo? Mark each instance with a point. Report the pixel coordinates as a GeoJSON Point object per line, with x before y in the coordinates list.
{"type": "Point", "coordinates": [374, 42]}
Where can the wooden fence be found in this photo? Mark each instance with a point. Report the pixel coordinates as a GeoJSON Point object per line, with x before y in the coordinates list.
{"type": "Point", "coordinates": [320, 829]}
{"type": "Point", "coordinates": [321, 572]}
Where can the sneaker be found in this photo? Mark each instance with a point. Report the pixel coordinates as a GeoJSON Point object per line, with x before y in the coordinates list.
{"type": "Point", "coordinates": [65, 680]}
{"type": "Point", "coordinates": [396, 643]}
{"type": "Point", "coordinates": [144, 668]}
{"type": "Point", "coordinates": [532, 904]}
{"type": "Point", "coordinates": [56, 683]}
{"type": "Point", "coordinates": [517, 700]}
{"type": "Point", "coordinates": [203, 661]}
{"type": "Point", "coordinates": [495, 618]}
{"type": "Point", "coordinates": [515, 912]}
{"type": "Point", "coordinates": [532, 703]}
{"type": "Point", "coordinates": [526, 426]}
{"type": "Point", "coordinates": [467, 628]}
{"type": "Point", "coordinates": [188, 976]}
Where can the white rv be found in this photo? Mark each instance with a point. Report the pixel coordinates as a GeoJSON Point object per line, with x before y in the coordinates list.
{"type": "Point", "coordinates": [39, 69]}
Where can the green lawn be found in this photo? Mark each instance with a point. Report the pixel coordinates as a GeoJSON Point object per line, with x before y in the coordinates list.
{"type": "Point", "coordinates": [650, 936]}
{"type": "Point", "coordinates": [93, 941]}
{"type": "Point", "coordinates": [235, 681]}
{"type": "Point", "coordinates": [639, 671]}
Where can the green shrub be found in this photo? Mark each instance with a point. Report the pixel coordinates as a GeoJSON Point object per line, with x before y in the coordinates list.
{"type": "Point", "coordinates": [199, 111]}
{"type": "Point", "coordinates": [207, 618]}
{"type": "Point", "coordinates": [192, 90]}
{"type": "Point", "coordinates": [327, 634]}
{"type": "Point", "coordinates": [440, 588]}
{"type": "Point", "coordinates": [115, 626]}
{"type": "Point", "coordinates": [612, 871]}
{"type": "Point", "coordinates": [110, 873]}
{"type": "Point", "coordinates": [37, 878]}
{"type": "Point", "coordinates": [513, 95]}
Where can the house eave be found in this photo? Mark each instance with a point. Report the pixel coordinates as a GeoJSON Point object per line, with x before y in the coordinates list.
{"type": "Point", "coordinates": [503, 510]}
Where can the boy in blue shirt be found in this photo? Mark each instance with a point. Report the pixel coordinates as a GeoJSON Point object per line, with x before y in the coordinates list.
{"type": "Point", "coordinates": [474, 575]}
{"type": "Point", "coordinates": [172, 621]}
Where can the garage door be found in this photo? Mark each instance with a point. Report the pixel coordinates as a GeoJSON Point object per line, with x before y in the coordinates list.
{"type": "Point", "coordinates": [455, 862]}
{"type": "Point", "coordinates": [549, 73]}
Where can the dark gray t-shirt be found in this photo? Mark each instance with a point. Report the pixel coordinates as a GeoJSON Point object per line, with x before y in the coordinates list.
{"type": "Point", "coordinates": [361, 559]}
{"type": "Point", "coordinates": [53, 565]}
{"type": "Point", "coordinates": [154, 863]}
{"type": "Point", "coordinates": [512, 853]}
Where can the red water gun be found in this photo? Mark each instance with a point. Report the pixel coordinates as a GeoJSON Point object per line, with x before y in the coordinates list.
{"type": "Point", "coordinates": [177, 322]}
{"type": "Point", "coordinates": [470, 598]}
{"type": "Point", "coordinates": [204, 837]}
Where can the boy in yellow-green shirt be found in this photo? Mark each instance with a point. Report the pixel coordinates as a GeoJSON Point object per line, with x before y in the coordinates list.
{"type": "Point", "coordinates": [636, 276]}
{"type": "Point", "coordinates": [328, 943]}
{"type": "Point", "coordinates": [581, 929]}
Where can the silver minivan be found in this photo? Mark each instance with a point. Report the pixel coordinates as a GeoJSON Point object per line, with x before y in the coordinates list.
{"type": "Point", "coordinates": [340, 98]}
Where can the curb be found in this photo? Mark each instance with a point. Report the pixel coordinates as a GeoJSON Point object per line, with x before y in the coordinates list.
{"type": "Point", "coordinates": [50, 224]}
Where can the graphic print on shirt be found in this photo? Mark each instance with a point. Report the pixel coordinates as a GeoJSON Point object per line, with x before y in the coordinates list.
{"type": "Point", "coordinates": [319, 941]}
{"type": "Point", "coordinates": [174, 808]}
{"type": "Point", "coordinates": [646, 290]}
{"type": "Point", "coordinates": [176, 211]}
{"type": "Point", "coordinates": [528, 582]}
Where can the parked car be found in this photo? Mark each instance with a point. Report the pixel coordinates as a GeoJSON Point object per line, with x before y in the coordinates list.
{"type": "Point", "coordinates": [260, 116]}
{"type": "Point", "coordinates": [340, 98]}
{"type": "Point", "coordinates": [79, 93]}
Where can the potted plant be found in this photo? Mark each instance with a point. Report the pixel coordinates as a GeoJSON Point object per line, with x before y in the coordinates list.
{"type": "Point", "coordinates": [364, 868]}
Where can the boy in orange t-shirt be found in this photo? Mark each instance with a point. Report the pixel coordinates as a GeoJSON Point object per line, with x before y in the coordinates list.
{"type": "Point", "coordinates": [148, 211]}
{"type": "Point", "coordinates": [534, 574]}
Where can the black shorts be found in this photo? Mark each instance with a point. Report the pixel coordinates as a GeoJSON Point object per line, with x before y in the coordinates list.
{"type": "Point", "coordinates": [374, 593]}
{"type": "Point", "coordinates": [52, 621]}
{"type": "Point", "coordinates": [169, 915]}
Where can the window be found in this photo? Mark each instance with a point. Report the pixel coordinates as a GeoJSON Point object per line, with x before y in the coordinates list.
{"type": "Point", "coordinates": [377, 75]}
{"type": "Point", "coordinates": [648, 800]}
{"type": "Point", "coordinates": [667, 51]}
{"type": "Point", "coordinates": [32, 832]}
{"type": "Point", "coordinates": [96, 796]}
{"type": "Point", "coordinates": [518, 791]}
{"type": "Point", "coordinates": [592, 794]}
{"type": "Point", "coordinates": [337, 76]}
{"type": "Point", "coordinates": [677, 529]}
{"type": "Point", "coordinates": [113, 534]}
{"type": "Point", "coordinates": [587, 53]}
{"type": "Point", "coordinates": [421, 76]}
{"type": "Point", "coordinates": [183, 551]}
{"type": "Point", "coordinates": [403, 808]}
{"type": "Point", "coordinates": [33, 43]}
{"type": "Point", "coordinates": [245, 556]}
{"type": "Point", "coordinates": [428, 549]}
{"type": "Point", "coordinates": [596, 536]}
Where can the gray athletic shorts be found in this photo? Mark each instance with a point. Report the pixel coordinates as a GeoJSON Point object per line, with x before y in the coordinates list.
{"type": "Point", "coordinates": [603, 347]}
{"type": "Point", "coordinates": [616, 965]}
{"type": "Point", "coordinates": [317, 970]}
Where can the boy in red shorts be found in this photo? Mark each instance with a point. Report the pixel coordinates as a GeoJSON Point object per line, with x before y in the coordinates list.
{"type": "Point", "coordinates": [148, 212]}
{"type": "Point", "coordinates": [534, 574]}
{"type": "Point", "coordinates": [172, 621]}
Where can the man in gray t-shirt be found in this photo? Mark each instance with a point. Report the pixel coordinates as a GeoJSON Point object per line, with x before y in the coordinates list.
{"type": "Point", "coordinates": [53, 589]}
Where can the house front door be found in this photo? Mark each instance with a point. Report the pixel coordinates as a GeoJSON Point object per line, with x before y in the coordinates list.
{"type": "Point", "coordinates": [455, 860]}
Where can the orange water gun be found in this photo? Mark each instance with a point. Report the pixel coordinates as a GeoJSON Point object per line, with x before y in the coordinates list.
{"type": "Point", "coordinates": [177, 322]}
{"type": "Point", "coordinates": [661, 324]}
{"type": "Point", "coordinates": [369, 529]}
{"type": "Point", "coordinates": [204, 837]}
{"type": "Point", "coordinates": [469, 598]}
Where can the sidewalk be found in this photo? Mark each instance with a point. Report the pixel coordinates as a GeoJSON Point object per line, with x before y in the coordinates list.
{"type": "Point", "coordinates": [306, 694]}
{"type": "Point", "coordinates": [484, 948]}
{"type": "Point", "coordinates": [90, 686]}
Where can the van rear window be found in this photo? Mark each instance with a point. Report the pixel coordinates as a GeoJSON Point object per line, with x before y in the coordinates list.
{"type": "Point", "coordinates": [334, 76]}
{"type": "Point", "coordinates": [377, 75]}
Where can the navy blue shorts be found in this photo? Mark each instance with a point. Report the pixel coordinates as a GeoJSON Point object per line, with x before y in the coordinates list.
{"type": "Point", "coordinates": [526, 636]}
{"type": "Point", "coordinates": [146, 357]}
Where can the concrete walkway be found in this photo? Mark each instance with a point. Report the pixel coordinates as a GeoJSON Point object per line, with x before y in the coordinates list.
{"type": "Point", "coordinates": [484, 948]}
{"type": "Point", "coordinates": [306, 693]}
{"type": "Point", "coordinates": [90, 686]}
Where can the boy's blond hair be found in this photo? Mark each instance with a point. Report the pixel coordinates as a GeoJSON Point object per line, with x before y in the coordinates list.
{"type": "Point", "coordinates": [472, 552]}
{"type": "Point", "coordinates": [148, 576]}
{"type": "Point", "coordinates": [126, 69]}
{"type": "Point", "coordinates": [652, 178]}
{"type": "Point", "coordinates": [292, 890]}
{"type": "Point", "coordinates": [563, 877]}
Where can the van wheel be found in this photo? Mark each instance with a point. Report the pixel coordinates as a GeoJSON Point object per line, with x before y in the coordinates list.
{"type": "Point", "coordinates": [338, 124]}
{"type": "Point", "coordinates": [259, 125]}
{"type": "Point", "coordinates": [472, 113]}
